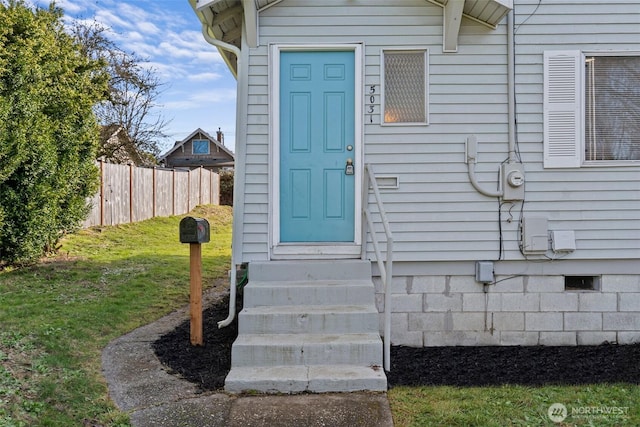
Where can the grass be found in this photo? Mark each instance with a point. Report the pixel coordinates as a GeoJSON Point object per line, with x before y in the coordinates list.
{"type": "Point", "coordinates": [592, 405]}
{"type": "Point", "coordinates": [58, 315]}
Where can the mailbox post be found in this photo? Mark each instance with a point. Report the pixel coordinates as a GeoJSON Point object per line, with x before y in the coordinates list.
{"type": "Point", "coordinates": [195, 231]}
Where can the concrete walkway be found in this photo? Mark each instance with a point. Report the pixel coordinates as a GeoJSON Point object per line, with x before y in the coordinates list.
{"type": "Point", "coordinates": [140, 385]}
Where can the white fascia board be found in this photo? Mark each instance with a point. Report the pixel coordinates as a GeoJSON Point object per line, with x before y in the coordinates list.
{"type": "Point", "coordinates": [202, 4]}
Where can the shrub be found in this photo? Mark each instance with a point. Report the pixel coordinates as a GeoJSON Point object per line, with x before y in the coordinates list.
{"type": "Point", "coordinates": [226, 187]}
{"type": "Point", "coordinates": [48, 132]}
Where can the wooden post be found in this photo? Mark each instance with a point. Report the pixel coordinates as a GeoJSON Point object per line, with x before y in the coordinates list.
{"type": "Point", "coordinates": [200, 187]}
{"type": "Point", "coordinates": [131, 198]}
{"type": "Point", "coordinates": [101, 192]}
{"type": "Point", "coordinates": [154, 196]}
{"type": "Point", "coordinates": [173, 191]}
{"type": "Point", "coordinates": [195, 298]}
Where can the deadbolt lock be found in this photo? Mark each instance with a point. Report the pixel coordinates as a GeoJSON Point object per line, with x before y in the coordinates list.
{"type": "Point", "coordinates": [348, 170]}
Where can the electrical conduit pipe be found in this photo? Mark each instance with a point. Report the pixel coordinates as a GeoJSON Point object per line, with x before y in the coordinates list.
{"type": "Point", "coordinates": [472, 142]}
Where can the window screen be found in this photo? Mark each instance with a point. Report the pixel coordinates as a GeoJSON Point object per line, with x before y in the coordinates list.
{"type": "Point", "coordinates": [405, 86]}
{"type": "Point", "coordinates": [612, 108]}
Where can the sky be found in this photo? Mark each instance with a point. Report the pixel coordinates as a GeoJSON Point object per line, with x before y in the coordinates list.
{"type": "Point", "coordinates": [198, 89]}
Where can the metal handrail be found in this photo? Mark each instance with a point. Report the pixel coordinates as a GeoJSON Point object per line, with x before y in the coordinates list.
{"type": "Point", "coordinates": [385, 267]}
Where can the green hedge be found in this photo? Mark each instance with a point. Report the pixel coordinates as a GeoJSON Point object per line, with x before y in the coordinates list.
{"type": "Point", "coordinates": [48, 132]}
{"type": "Point", "coordinates": [226, 187]}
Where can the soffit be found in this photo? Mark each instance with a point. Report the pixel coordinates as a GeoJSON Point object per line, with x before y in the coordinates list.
{"type": "Point", "coordinates": [488, 12]}
{"type": "Point", "coordinates": [222, 19]}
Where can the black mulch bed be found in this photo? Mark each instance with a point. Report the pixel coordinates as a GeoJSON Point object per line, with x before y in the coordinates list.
{"type": "Point", "coordinates": [206, 365]}
{"type": "Point", "coordinates": [459, 366]}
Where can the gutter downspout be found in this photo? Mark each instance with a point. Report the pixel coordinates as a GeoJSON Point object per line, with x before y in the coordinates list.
{"type": "Point", "coordinates": [233, 276]}
{"type": "Point", "coordinates": [220, 44]}
{"type": "Point", "coordinates": [472, 142]}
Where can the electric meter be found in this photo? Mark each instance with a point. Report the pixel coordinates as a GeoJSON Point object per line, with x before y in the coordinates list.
{"type": "Point", "coordinates": [515, 178]}
{"type": "Point", "coordinates": [512, 181]}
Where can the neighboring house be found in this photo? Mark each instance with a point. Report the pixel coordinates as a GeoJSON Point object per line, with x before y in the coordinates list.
{"type": "Point", "coordinates": [504, 138]}
{"type": "Point", "coordinates": [199, 149]}
{"type": "Point", "coordinates": [116, 146]}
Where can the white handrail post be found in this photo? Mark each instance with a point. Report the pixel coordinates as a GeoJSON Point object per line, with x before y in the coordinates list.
{"type": "Point", "coordinates": [365, 204]}
{"type": "Point", "coordinates": [387, 306]}
{"type": "Point", "coordinates": [385, 267]}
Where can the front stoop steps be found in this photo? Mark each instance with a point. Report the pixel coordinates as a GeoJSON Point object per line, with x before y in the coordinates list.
{"type": "Point", "coordinates": [308, 326]}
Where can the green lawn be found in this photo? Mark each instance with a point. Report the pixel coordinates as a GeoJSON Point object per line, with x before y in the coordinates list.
{"type": "Point", "coordinates": [591, 405]}
{"type": "Point", "coordinates": [57, 316]}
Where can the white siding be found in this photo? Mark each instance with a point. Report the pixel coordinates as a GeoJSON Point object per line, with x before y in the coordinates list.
{"type": "Point", "coordinates": [602, 204]}
{"type": "Point", "coordinates": [436, 215]}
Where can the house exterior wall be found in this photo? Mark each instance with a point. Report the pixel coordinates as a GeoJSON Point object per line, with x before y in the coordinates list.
{"type": "Point", "coordinates": [441, 224]}
{"type": "Point", "coordinates": [444, 310]}
{"type": "Point", "coordinates": [184, 156]}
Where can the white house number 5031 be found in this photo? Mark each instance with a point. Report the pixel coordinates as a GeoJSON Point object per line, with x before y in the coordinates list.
{"type": "Point", "coordinates": [371, 101]}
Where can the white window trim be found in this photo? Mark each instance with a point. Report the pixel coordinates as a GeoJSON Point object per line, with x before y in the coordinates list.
{"type": "Point", "coordinates": [566, 149]}
{"type": "Point", "coordinates": [426, 86]}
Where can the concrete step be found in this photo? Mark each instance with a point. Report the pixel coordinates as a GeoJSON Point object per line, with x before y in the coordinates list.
{"type": "Point", "coordinates": [364, 349]}
{"type": "Point", "coordinates": [309, 270]}
{"type": "Point", "coordinates": [298, 379]}
{"type": "Point", "coordinates": [308, 326]}
{"type": "Point", "coordinates": [308, 292]}
{"type": "Point", "coordinates": [333, 319]}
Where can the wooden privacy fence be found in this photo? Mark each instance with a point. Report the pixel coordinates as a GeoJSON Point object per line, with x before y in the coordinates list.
{"type": "Point", "coordinates": [129, 193]}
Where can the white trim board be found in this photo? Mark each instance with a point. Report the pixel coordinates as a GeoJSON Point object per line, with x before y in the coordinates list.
{"type": "Point", "coordinates": [278, 250]}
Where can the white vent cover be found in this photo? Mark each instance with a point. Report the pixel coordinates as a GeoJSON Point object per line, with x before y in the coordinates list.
{"type": "Point", "coordinates": [563, 241]}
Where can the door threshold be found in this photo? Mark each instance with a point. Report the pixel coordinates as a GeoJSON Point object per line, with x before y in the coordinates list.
{"type": "Point", "coordinates": [315, 251]}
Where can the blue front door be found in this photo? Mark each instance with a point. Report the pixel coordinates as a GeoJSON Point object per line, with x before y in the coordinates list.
{"type": "Point", "coordinates": [317, 132]}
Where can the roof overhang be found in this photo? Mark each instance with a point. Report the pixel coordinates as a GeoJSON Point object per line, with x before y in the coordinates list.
{"type": "Point", "coordinates": [223, 21]}
{"type": "Point", "coordinates": [486, 12]}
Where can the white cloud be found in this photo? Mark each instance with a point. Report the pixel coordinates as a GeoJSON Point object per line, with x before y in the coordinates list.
{"type": "Point", "coordinates": [134, 36]}
{"type": "Point", "coordinates": [175, 51]}
{"type": "Point", "coordinates": [149, 28]}
{"type": "Point", "coordinates": [180, 105]}
{"type": "Point", "coordinates": [112, 20]}
{"type": "Point", "coordinates": [202, 99]}
{"type": "Point", "coordinates": [133, 13]}
{"type": "Point", "coordinates": [70, 7]}
{"type": "Point", "coordinates": [204, 77]}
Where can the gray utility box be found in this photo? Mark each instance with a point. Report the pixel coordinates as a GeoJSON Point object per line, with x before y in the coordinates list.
{"type": "Point", "coordinates": [512, 181]}
{"type": "Point", "coordinates": [535, 235]}
{"type": "Point", "coordinates": [194, 230]}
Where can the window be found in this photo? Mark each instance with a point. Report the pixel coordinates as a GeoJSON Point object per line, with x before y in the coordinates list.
{"type": "Point", "coordinates": [405, 86]}
{"type": "Point", "coordinates": [591, 109]}
{"type": "Point", "coordinates": [612, 108]}
{"type": "Point", "coordinates": [200, 146]}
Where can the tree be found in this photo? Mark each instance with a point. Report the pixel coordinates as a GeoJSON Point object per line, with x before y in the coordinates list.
{"type": "Point", "coordinates": [48, 131]}
{"type": "Point", "coordinates": [132, 128]}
